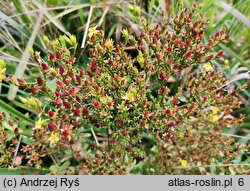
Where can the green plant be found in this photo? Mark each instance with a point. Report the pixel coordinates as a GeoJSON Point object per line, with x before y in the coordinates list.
{"type": "Point", "coordinates": [159, 110]}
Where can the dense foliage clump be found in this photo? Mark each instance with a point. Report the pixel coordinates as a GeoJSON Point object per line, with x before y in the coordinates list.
{"type": "Point", "coordinates": [159, 109]}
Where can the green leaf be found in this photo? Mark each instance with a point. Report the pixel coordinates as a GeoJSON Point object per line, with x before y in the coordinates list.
{"type": "Point", "coordinates": [16, 113]}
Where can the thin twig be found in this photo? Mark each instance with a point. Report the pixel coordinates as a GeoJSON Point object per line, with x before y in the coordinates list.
{"type": "Point", "coordinates": [103, 15]}
{"type": "Point", "coordinates": [17, 148]}
{"type": "Point", "coordinates": [93, 133]}
{"type": "Point", "coordinates": [87, 27]}
{"type": "Point", "coordinates": [237, 136]}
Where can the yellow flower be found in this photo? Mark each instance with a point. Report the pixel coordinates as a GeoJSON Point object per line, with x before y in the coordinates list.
{"type": "Point", "coordinates": [215, 110]}
{"type": "Point", "coordinates": [181, 134]}
{"type": "Point", "coordinates": [125, 33]}
{"type": "Point", "coordinates": [106, 100]}
{"type": "Point", "coordinates": [208, 67]}
{"type": "Point", "coordinates": [215, 118]}
{"type": "Point", "coordinates": [131, 94]}
{"type": "Point", "coordinates": [109, 44]}
{"type": "Point", "coordinates": [93, 31]}
{"type": "Point", "coordinates": [54, 137]}
{"type": "Point", "coordinates": [72, 39]}
{"type": "Point", "coordinates": [39, 124]}
{"type": "Point", "coordinates": [184, 163]}
{"type": "Point", "coordinates": [140, 58]}
{"type": "Point", "coordinates": [32, 102]}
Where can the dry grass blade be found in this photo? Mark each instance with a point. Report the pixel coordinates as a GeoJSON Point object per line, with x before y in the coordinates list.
{"type": "Point", "coordinates": [25, 57]}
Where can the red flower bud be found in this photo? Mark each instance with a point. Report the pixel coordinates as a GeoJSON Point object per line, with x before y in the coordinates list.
{"type": "Point", "coordinates": [85, 111]}
{"type": "Point", "coordinates": [189, 54]}
{"type": "Point", "coordinates": [16, 130]}
{"type": "Point", "coordinates": [72, 91]}
{"type": "Point", "coordinates": [146, 114]}
{"type": "Point", "coordinates": [91, 52]}
{"type": "Point", "coordinates": [65, 133]}
{"type": "Point", "coordinates": [75, 123]}
{"type": "Point", "coordinates": [169, 135]}
{"type": "Point", "coordinates": [171, 123]}
{"type": "Point", "coordinates": [52, 57]}
{"type": "Point", "coordinates": [51, 113]}
{"type": "Point", "coordinates": [61, 70]}
{"type": "Point", "coordinates": [209, 57]}
{"type": "Point", "coordinates": [67, 104]}
{"type": "Point", "coordinates": [111, 140]}
{"type": "Point", "coordinates": [52, 127]}
{"type": "Point", "coordinates": [175, 101]}
{"type": "Point", "coordinates": [97, 104]}
{"type": "Point", "coordinates": [33, 90]}
{"type": "Point", "coordinates": [196, 23]}
{"type": "Point", "coordinates": [57, 93]}
{"type": "Point", "coordinates": [58, 55]}
{"type": "Point", "coordinates": [59, 84]}
{"type": "Point", "coordinates": [39, 81]}
{"type": "Point", "coordinates": [117, 78]}
{"type": "Point", "coordinates": [168, 112]}
{"type": "Point", "coordinates": [44, 66]}
{"type": "Point", "coordinates": [143, 123]}
{"type": "Point", "coordinates": [219, 54]}
{"type": "Point", "coordinates": [21, 82]}
{"type": "Point", "coordinates": [77, 112]}
{"type": "Point", "coordinates": [57, 102]}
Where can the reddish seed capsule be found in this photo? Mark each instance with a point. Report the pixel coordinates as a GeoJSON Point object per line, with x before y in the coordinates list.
{"type": "Point", "coordinates": [111, 140]}
{"type": "Point", "coordinates": [219, 54]}
{"type": "Point", "coordinates": [196, 23]}
{"type": "Point", "coordinates": [52, 57]}
{"type": "Point", "coordinates": [189, 54]}
{"type": "Point", "coordinates": [75, 123]}
{"type": "Point", "coordinates": [143, 123]}
{"type": "Point", "coordinates": [52, 127]}
{"type": "Point", "coordinates": [97, 104]}
{"type": "Point", "coordinates": [65, 133]}
{"type": "Point", "coordinates": [117, 78]}
{"type": "Point", "coordinates": [33, 90]}
{"type": "Point", "coordinates": [51, 113]}
{"type": "Point", "coordinates": [57, 93]}
{"type": "Point", "coordinates": [21, 81]}
{"type": "Point", "coordinates": [61, 70]}
{"type": "Point", "coordinates": [58, 55]}
{"type": "Point", "coordinates": [57, 102]}
{"type": "Point", "coordinates": [168, 112]}
{"type": "Point", "coordinates": [85, 111]}
{"type": "Point", "coordinates": [67, 104]}
{"type": "Point", "coordinates": [91, 53]}
{"type": "Point", "coordinates": [175, 101]}
{"type": "Point", "coordinates": [77, 112]}
{"type": "Point", "coordinates": [72, 91]}
{"type": "Point", "coordinates": [39, 81]}
{"type": "Point", "coordinates": [16, 130]}
{"type": "Point", "coordinates": [44, 66]}
{"type": "Point", "coordinates": [171, 123]}
{"type": "Point", "coordinates": [169, 135]}
{"type": "Point", "coordinates": [59, 84]}
{"type": "Point", "coordinates": [146, 114]}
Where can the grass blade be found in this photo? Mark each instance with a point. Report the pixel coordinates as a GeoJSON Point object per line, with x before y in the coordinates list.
{"type": "Point", "coordinates": [25, 57]}
{"type": "Point", "coordinates": [16, 113]}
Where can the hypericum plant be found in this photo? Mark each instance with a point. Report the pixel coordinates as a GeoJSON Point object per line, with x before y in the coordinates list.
{"type": "Point", "coordinates": [158, 110]}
